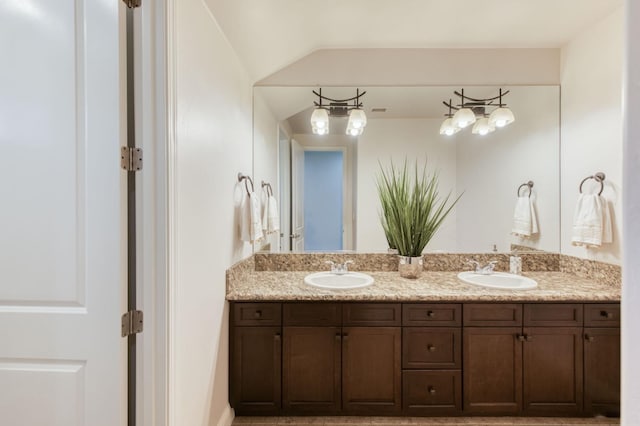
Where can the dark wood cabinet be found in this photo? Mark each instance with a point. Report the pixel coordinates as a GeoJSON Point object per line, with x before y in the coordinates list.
{"type": "Point", "coordinates": [602, 371]}
{"type": "Point", "coordinates": [552, 371]}
{"type": "Point", "coordinates": [256, 370]}
{"type": "Point", "coordinates": [423, 359]}
{"type": "Point", "coordinates": [371, 381]}
{"type": "Point", "coordinates": [311, 370]}
{"type": "Point", "coordinates": [492, 377]}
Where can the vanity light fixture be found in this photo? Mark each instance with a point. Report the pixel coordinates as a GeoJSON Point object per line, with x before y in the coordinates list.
{"type": "Point", "coordinates": [350, 107]}
{"type": "Point", "coordinates": [471, 110]}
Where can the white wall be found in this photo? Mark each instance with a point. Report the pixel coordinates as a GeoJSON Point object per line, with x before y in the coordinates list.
{"type": "Point", "coordinates": [212, 144]}
{"type": "Point", "coordinates": [420, 67]}
{"type": "Point", "coordinates": [592, 125]}
{"type": "Point", "coordinates": [396, 139]}
{"type": "Point", "coordinates": [491, 168]}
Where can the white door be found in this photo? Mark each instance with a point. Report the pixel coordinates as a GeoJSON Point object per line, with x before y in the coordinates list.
{"type": "Point", "coordinates": [284, 152]}
{"type": "Point", "coordinates": [62, 360]}
{"type": "Point", "coordinates": [297, 197]}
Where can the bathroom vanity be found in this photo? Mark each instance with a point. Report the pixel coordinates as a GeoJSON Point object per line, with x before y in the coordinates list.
{"type": "Point", "coordinates": [428, 347]}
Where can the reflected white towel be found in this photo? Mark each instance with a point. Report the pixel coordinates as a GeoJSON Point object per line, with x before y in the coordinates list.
{"type": "Point", "coordinates": [250, 225]}
{"type": "Point", "coordinates": [591, 222]}
{"type": "Point", "coordinates": [525, 222]}
{"type": "Point", "coordinates": [270, 216]}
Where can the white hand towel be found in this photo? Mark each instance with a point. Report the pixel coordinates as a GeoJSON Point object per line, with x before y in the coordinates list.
{"type": "Point", "coordinates": [273, 218]}
{"type": "Point", "coordinates": [525, 222]}
{"type": "Point", "coordinates": [591, 221]}
{"type": "Point", "coordinates": [250, 225]}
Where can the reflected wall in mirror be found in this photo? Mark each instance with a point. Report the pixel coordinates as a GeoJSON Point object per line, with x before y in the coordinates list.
{"type": "Point", "coordinates": [326, 184]}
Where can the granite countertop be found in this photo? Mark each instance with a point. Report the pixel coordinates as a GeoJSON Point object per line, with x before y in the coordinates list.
{"type": "Point", "coordinates": [431, 286]}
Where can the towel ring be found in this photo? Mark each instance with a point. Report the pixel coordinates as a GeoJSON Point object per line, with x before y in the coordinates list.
{"type": "Point", "coordinates": [598, 177]}
{"type": "Point", "coordinates": [246, 178]}
{"type": "Point", "coordinates": [528, 185]}
{"type": "Point", "coordinates": [269, 188]}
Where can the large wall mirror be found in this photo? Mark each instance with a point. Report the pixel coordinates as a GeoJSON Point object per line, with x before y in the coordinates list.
{"type": "Point", "coordinates": [326, 184]}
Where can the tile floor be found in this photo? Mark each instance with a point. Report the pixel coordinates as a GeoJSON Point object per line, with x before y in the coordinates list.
{"type": "Point", "coordinates": [420, 421]}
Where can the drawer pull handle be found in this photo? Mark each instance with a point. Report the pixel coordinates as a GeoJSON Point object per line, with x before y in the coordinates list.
{"type": "Point", "coordinates": [432, 390]}
{"type": "Point", "coordinates": [606, 314]}
{"type": "Point", "coordinates": [431, 314]}
{"type": "Point", "coordinates": [258, 314]}
{"type": "Point", "coordinates": [431, 348]}
{"type": "Point", "coordinates": [589, 338]}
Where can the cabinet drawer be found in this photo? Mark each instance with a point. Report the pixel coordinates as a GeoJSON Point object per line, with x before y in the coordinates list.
{"type": "Point", "coordinates": [436, 347]}
{"type": "Point", "coordinates": [432, 392]}
{"type": "Point", "coordinates": [602, 315]}
{"type": "Point", "coordinates": [309, 314]}
{"type": "Point", "coordinates": [553, 315]}
{"type": "Point", "coordinates": [371, 314]}
{"type": "Point", "coordinates": [431, 315]}
{"type": "Point", "coordinates": [257, 314]}
{"type": "Point", "coordinates": [492, 314]}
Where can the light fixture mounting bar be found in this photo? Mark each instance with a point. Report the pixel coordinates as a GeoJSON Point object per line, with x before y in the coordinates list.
{"type": "Point", "coordinates": [344, 102]}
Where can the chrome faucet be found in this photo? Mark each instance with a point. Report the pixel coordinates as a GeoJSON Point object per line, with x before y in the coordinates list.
{"type": "Point", "coordinates": [339, 268]}
{"type": "Point", "coordinates": [484, 270]}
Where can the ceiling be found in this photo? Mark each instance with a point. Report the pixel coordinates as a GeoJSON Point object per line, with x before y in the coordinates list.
{"type": "Point", "coordinates": [268, 35]}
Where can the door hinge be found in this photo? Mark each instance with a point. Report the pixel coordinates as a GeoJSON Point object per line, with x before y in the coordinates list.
{"type": "Point", "coordinates": [132, 3]}
{"type": "Point", "coordinates": [132, 323]}
{"type": "Point", "coordinates": [131, 159]}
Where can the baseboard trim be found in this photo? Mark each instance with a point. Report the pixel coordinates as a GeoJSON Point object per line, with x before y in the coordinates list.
{"type": "Point", "coordinates": [227, 416]}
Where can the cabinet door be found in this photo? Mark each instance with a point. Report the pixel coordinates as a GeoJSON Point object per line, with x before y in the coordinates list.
{"type": "Point", "coordinates": [492, 359]}
{"type": "Point", "coordinates": [602, 371]}
{"type": "Point", "coordinates": [371, 375]}
{"type": "Point", "coordinates": [553, 370]}
{"type": "Point", "coordinates": [255, 378]}
{"type": "Point", "coordinates": [311, 370]}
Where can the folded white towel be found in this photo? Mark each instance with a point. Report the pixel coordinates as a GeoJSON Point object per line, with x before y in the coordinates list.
{"type": "Point", "coordinates": [525, 222]}
{"type": "Point", "coordinates": [591, 222]}
{"type": "Point", "coordinates": [250, 225]}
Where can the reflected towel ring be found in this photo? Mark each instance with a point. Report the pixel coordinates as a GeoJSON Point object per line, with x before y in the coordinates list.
{"type": "Point", "coordinates": [598, 177]}
{"type": "Point", "coordinates": [269, 188]}
{"type": "Point", "coordinates": [528, 184]}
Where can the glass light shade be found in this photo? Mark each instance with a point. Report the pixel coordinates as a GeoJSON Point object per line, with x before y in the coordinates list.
{"type": "Point", "coordinates": [463, 118]}
{"type": "Point", "coordinates": [482, 127]}
{"type": "Point", "coordinates": [501, 117]}
{"type": "Point", "coordinates": [357, 119]}
{"type": "Point", "coordinates": [447, 128]}
{"type": "Point", "coordinates": [320, 118]}
{"type": "Point", "coordinates": [320, 130]}
{"type": "Point", "coordinates": [354, 131]}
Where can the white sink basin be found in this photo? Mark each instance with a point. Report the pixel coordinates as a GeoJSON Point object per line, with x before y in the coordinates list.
{"type": "Point", "coordinates": [335, 281]}
{"type": "Point", "coordinates": [498, 280]}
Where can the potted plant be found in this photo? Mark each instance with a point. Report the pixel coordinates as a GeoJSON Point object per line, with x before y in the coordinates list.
{"type": "Point", "coordinates": [412, 212]}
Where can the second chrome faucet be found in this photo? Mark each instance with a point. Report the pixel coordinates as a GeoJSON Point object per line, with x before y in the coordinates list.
{"type": "Point", "coordinates": [484, 270]}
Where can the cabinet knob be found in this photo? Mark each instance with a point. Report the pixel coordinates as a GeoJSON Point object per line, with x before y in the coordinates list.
{"type": "Point", "coordinates": [606, 314]}
{"type": "Point", "coordinates": [589, 338]}
{"type": "Point", "coordinates": [528, 338]}
{"type": "Point", "coordinates": [338, 336]}
{"type": "Point", "coordinates": [276, 336]}
{"type": "Point", "coordinates": [431, 390]}
{"type": "Point", "coordinates": [431, 314]}
{"type": "Point", "coordinates": [345, 336]}
{"type": "Point", "coordinates": [431, 348]}
{"type": "Point", "coordinates": [520, 337]}
{"type": "Point", "coordinates": [258, 314]}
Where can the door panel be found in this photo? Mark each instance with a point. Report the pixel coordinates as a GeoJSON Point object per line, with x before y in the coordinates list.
{"type": "Point", "coordinates": [297, 197]}
{"type": "Point", "coordinates": [62, 257]}
{"type": "Point", "coordinates": [602, 371]}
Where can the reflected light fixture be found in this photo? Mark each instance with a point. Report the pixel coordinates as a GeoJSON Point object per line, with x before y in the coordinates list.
{"type": "Point", "coordinates": [474, 111]}
{"type": "Point", "coordinates": [350, 107]}
{"type": "Point", "coordinates": [448, 128]}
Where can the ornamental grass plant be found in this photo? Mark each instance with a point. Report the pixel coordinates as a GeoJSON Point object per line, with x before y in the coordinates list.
{"type": "Point", "coordinates": [412, 209]}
